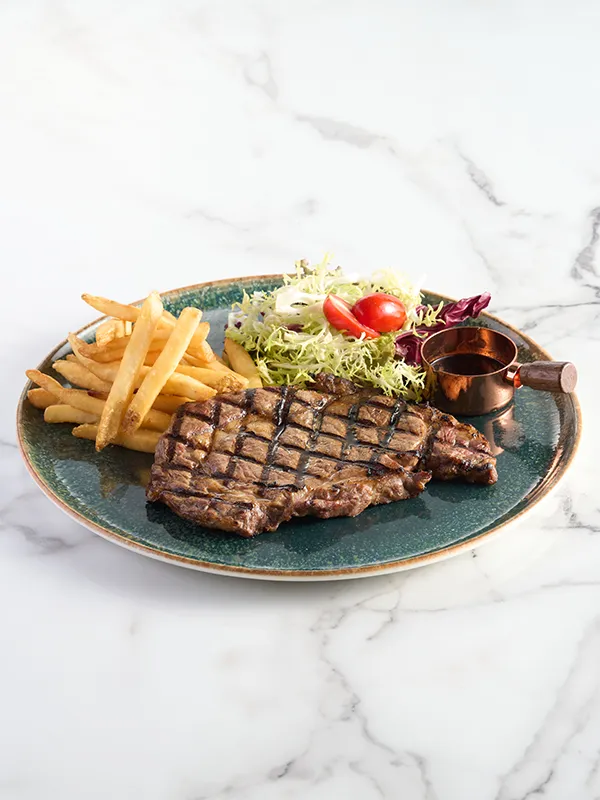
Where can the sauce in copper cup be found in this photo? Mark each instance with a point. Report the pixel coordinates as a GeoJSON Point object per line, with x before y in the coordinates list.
{"type": "Point", "coordinates": [472, 371]}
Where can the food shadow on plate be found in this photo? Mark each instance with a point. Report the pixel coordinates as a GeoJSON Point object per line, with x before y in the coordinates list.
{"type": "Point", "coordinates": [117, 469]}
{"type": "Point", "coordinates": [503, 430]}
{"type": "Point", "coordinates": [506, 432]}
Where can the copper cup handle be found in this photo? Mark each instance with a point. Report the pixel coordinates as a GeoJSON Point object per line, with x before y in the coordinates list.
{"type": "Point", "coordinates": [545, 376]}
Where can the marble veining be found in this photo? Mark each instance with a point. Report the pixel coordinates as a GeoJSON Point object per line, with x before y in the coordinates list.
{"type": "Point", "coordinates": [154, 145]}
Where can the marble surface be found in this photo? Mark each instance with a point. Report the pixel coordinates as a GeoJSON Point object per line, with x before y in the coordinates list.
{"type": "Point", "coordinates": [158, 144]}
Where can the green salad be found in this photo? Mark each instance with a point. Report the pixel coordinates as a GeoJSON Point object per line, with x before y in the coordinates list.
{"type": "Point", "coordinates": [291, 340]}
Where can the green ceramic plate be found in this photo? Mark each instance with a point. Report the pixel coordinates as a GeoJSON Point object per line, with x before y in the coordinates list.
{"type": "Point", "coordinates": [535, 440]}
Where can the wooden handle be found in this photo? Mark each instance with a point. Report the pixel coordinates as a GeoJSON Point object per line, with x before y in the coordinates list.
{"type": "Point", "coordinates": [549, 376]}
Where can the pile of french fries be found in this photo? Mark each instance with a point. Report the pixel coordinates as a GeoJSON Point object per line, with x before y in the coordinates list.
{"type": "Point", "coordinates": [143, 365]}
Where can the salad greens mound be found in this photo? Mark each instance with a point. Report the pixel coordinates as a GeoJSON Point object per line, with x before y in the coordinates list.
{"type": "Point", "coordinates": [287, 334]}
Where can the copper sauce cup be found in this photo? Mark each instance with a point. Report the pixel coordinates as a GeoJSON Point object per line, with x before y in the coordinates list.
{"type": "Point", "coordinates": [472, 371]}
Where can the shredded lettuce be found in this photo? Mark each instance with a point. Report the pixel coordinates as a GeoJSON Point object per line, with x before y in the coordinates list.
{"type": "Point", "coordinates": [291, 341]}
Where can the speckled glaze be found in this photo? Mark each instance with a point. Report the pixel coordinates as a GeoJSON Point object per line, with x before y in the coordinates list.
{"type": "Point", "coordinates": [536, 439]}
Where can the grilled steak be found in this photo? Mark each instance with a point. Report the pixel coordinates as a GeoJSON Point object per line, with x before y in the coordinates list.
{"type": "Point", "coordinates": [246, 462]}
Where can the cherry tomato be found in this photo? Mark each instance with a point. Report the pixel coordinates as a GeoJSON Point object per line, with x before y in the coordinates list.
{"type": "Point", "coordinates": [339, 314]}
{"type": "Point", "coordinates": [379, 311]}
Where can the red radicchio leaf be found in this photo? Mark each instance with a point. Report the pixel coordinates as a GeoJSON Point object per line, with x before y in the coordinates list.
{"type": "Point", "coordinates": [408, 345]}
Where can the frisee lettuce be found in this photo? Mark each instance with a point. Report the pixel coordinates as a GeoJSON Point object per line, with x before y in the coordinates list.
{"type": "Point", "coordinates": [290, 340]}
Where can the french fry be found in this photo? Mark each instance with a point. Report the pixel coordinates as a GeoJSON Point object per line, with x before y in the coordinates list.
{"type": "Point", "coordinates": [133, 360]}
{"type": "Point", "coordinates": [221, 381]}
{"type": "Point", "coordinates": [197, 341]}
{"type": "Point", "coordinates": [128, 327]}
{"type": "Point", "coordinates": [202, 350]}
{"type": "Point", "coordinates": [105, 332]}
{"type": "Point", "coordinates": [189, 360]}
{"type": "Point", "coordinates": [188, 387]}
{"type": "Point", "coordinates": [159, 416]}
{"type": "Point", "coordinates": [106, 356]}
{"type": "Point", "coordinates": [90, 402]}
{"type": "Point", "coordinates": [224, 367]}
{"type": "Point", "coordinates": [78, 398]}
{"type": "Point", "coordinates": [131, 314]}
{"type": "Point", "coordinates": [156, 420]}
{"type": "Point", "coordinates": [122, 311]}
{"type": "Point", "coordinates": [41, 398]}
{"type": "Point", "coordinates": [100, 370]}
{"type": "Point", "coordinates": [177, 384]}
{"type": "Point", "coordinates": [201, 331]}
{"type": "Point", "coordinates": [109, 330]}
{"type": "Point", "coordinates": [143, 440]}
{"type": "Point", "coordinates": [162, 370]}
{"type": "Point", "coordinates": [241, 362]}
{"type": "Point", "coordinates": [79, 375]}
{"type": "Point", "coordinates": [113, 351]}
{"type": "Point", "coordinates": [71, 357]}
{"type": "Point", "coordinates": [218, 365]}
{"type": "Point", "coordinates": [169, 403]}
{"type": "Point", "coordinates": [151, 357]}
{"type": "Point", "coordinates": [112, 308]}
{"type": "Point", "coordinates": [198, 344]}
{"type": "Point", "coordinates": [64, 413]}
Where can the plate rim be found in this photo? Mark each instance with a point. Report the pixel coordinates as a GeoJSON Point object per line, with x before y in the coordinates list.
{"type": "Point", "coordinates": [400, 565]}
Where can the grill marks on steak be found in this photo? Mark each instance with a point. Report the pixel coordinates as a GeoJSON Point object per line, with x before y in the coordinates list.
{"type": "Point", "coordinates": [248, 461]}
